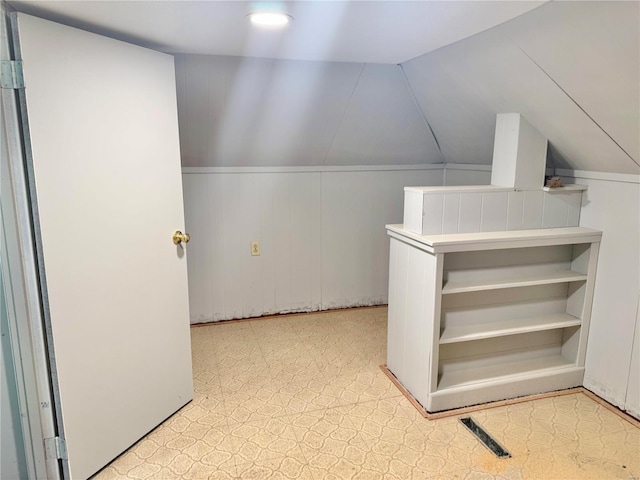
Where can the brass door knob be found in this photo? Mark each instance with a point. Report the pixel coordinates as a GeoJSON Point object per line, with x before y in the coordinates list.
{"type": "Point", "coordinates": [179, 237]}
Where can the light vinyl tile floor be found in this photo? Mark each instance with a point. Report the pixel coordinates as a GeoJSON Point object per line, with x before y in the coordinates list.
{"type": "Point", "coordinates": [303, 397]}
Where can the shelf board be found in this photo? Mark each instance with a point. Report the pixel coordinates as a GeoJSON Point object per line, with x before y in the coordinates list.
{"type": "Point", "coordinates": [565, 188]}
{"type": "Point", "coordinates": [502, 371]}
{"type": "Point", "coordinates": [523, 281]}
{"type": "Point", "coordinates": [508, 327]}
{"type": "Point", "coordinates": [467, 242]}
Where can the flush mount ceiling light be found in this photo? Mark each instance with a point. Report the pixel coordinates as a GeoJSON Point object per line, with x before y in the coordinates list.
{"type": "Point", "coordinates": [270, 19]}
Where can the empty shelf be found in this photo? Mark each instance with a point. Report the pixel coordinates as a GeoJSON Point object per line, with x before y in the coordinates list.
{"type": "Point", "coordinates": [521, 368]}
{"type": "Point", "coordinates": [524, 281]}
{"type": "Point", "coordinates": [508, 327]}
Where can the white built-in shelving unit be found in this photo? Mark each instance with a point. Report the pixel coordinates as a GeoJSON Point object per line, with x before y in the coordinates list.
{"type": "Point", "coordinates": [477, 317]}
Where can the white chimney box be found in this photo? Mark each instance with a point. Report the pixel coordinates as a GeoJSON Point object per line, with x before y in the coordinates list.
{"type": "Point", "coordinates": [519, 154]}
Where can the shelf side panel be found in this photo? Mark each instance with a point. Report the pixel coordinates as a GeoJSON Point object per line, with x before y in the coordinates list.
{"type": "Point", "coordinates": [411, 317]}
{"type": "Point", "coordinates": [396, 316]}
{"type": "Point", "coordinates": [580, 257]}
{"type": "Point", "coordinates": [588, 302]}
{"type": "Point", "coordinates": [435, 323]}
{"type": "Point", "coordinates": [571, 344]}
{"type": "Point", "coordinates": [576, 294]}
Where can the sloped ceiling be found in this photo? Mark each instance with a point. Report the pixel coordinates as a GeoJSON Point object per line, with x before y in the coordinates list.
{"type": "Point", "coordinates": [572, 68]}
{"type": "Point", "coordinates": [382, 122]}
{"type": "Point", "coordinates": [236, 111]}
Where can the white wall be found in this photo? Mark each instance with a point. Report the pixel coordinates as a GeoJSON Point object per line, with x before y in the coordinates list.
{"type": "Point", "coordinates": [321, 232]}
{"type": "Point", "coordinates": [612, 204]}
{"type": "Point", "coordinates": [465, 174]}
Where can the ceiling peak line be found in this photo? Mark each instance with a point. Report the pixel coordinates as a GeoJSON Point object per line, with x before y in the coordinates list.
{"type": "Point", "coordinates": [422, 113]}
{"type": "Point", "coordinates": [344, 113]}
{"type": "Point", "coordinates": [578, 105]}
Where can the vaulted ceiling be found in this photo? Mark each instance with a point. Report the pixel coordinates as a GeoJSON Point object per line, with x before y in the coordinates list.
{"type": "Point", "coordinates": [389, 82]}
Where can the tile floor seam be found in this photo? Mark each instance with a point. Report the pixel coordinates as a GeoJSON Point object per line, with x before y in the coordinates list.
{"type": "Point", "coordinates": [299, 441]}
{"type": "Point", "coordinates": [320, 408]}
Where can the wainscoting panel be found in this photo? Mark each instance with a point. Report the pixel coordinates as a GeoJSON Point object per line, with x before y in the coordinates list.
{"type": "Point", "coordinates": [321, 232]}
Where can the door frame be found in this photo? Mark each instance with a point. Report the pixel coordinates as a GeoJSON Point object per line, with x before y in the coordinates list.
{"type": "Point", "coordinates": [25, 284]}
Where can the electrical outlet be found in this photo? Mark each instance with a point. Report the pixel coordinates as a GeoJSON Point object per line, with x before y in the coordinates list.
{"type": "Point", "coordinates": [255, 249]}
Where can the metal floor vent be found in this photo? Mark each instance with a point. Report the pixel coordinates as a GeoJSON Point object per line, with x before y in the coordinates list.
{"type": "Point", "coordinates": [485, 438]}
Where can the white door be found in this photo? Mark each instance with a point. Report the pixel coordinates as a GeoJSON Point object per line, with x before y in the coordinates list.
{"type": "Point", "coordinates": [103, 127]}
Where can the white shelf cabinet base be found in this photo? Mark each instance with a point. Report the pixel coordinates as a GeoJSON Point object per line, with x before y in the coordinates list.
{"type": "Point", "coordinates": [481, 317]}
{"type": "Point", "coordinates": [547, 379]}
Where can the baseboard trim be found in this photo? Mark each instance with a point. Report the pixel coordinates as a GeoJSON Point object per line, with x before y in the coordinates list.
{"type": "Point", "coordinates": [501, 403]}
{"type": "Point", "coordinates": [281, 315]}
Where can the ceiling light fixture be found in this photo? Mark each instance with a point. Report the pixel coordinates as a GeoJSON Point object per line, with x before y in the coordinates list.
{"type": "Point", "coordinates": [270, 19]}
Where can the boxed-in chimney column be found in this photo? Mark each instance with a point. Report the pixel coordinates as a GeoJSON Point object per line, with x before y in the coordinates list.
{"type": "Point", "coordinates": [515, 200]}
{"type": "Point", "coordinates": [519, 154]}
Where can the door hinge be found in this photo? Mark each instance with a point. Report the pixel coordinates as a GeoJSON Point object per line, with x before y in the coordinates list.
{"type": "Point", "coordinates": [55, 448]}
{"type": "Point", "coordinates": [11, 75]}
